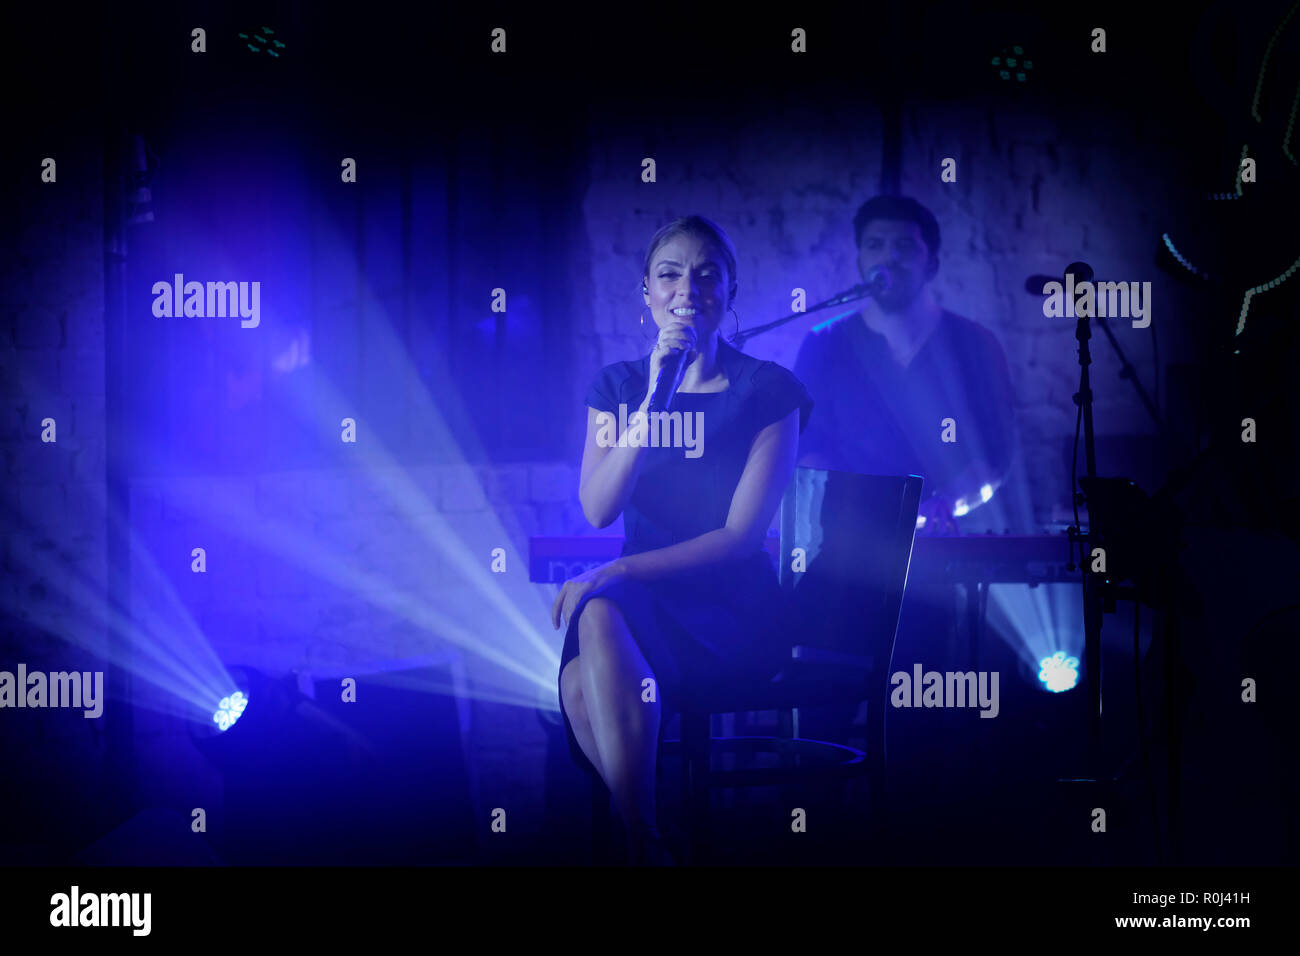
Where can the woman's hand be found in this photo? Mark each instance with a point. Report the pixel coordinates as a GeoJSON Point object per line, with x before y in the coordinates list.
{"type": "Point", "coordinates": [575, 589]}
{"type": "Point", "coordinates": [673, 337]}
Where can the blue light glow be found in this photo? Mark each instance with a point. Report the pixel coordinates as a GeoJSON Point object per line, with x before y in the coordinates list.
{"type": "Point", "coordinates": [829, 322]}
{"type": "Point", "coordinates": [1059, 672]}
{"type": "Point", "coordinates": [229, 709]}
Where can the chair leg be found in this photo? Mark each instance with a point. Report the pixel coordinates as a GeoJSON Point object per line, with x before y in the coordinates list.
{"type": "Point", "coordinates": [878, 828]}
{"type": "Point", "coordinates": [695, 784]}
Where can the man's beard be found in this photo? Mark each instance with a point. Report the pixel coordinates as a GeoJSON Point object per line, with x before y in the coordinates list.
{"type": "Point", "coordinates": [894, 304]}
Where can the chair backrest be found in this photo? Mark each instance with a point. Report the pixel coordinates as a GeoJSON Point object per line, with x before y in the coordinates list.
{"type": "Point", "coordinates": [856, 532]}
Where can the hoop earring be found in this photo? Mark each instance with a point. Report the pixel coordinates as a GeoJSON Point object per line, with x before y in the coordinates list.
{"type": "Point", "coordinates": [737, 315]}
{"type": "Point", "coordinates": [643, 335]}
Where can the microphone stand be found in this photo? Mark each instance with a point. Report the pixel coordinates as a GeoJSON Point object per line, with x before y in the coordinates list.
{"type": "Point", "coordinates": [1095, 780]}
{"type": "Point", "coordinates": [1092, 606]}
{"type": "Point", "coordinates": [859, 291]}
{"type": "Point", "coordinates": [1126, 370]}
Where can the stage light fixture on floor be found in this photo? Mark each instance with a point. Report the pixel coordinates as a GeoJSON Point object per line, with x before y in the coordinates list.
{"type": "Point", "coordinates": [260, 705]}
{"type": "Point", "coordinates": [229, 709]}
{"type": "Point", "coordinates": [1059, 672]}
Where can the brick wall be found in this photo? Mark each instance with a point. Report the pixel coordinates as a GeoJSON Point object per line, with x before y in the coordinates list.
{"type": "Point", "coordinates": [51, 532]}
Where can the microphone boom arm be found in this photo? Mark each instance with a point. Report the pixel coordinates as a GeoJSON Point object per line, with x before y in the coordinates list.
{"type": "Point", "coordinates": [859, 291]}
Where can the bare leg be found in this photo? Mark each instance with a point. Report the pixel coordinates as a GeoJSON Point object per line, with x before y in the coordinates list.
{"type": "Point", "coordinates": [575, 705]}
{"type": "Point", "coordinates": [625, 727]}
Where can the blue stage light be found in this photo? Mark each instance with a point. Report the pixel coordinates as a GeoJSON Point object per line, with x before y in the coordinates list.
{"type": "Point", "coordinates": [229, 709]}
{"type": "Point", "coordinates": [1059, 672]}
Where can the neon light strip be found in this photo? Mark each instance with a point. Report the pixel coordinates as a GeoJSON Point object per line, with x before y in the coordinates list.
{"type": "Point", "coordinates": [1290, 127]}
{"type": "Point", "coordinates": [1250, 293]}
{"type": "Point", "coordinates": [829, 322]}
{"type": "Point", "coordinates": [1169, 244]}
{"type": "Point", "coordinates": [1263, 66]}
{"type": "Point", "coordinates": [1245, 148]}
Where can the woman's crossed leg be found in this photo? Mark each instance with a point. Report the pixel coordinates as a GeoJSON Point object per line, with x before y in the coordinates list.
{"type": "Point", "coordinates": [616, 727]}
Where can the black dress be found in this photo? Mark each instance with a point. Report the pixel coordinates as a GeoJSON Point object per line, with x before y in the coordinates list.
{"type": "Point", "coordinates": [714, 627]}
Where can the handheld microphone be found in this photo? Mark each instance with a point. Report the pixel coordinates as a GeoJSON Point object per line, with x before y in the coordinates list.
{"type": "Point", "coordinates": [671, 373]}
